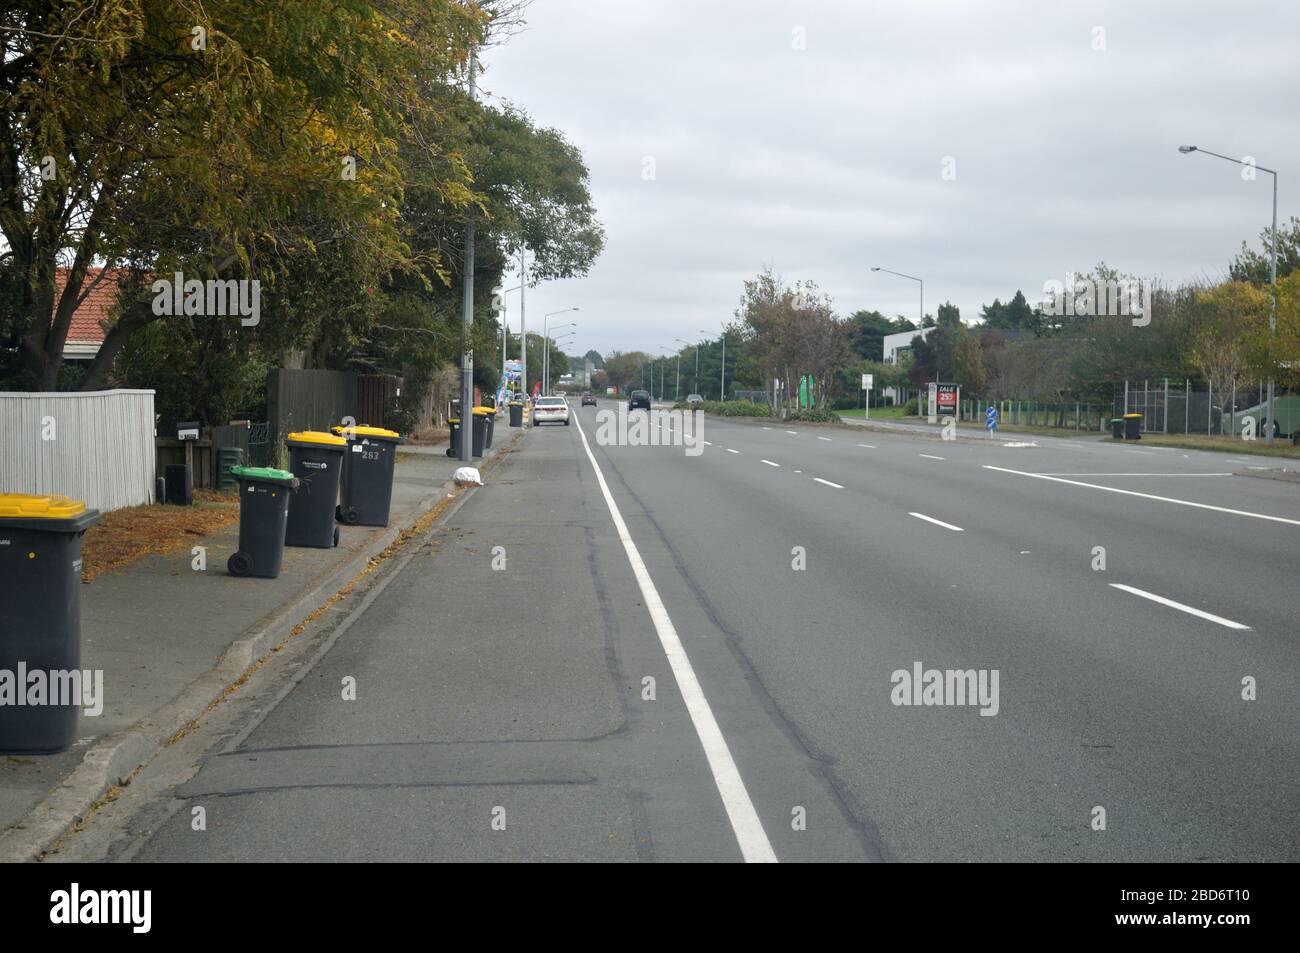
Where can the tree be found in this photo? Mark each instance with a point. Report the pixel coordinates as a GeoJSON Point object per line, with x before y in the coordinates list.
{"type": "Point", "coordinates": [1254, 266]}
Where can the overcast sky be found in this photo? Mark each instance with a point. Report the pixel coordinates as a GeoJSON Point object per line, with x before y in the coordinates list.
{"type": "Point", "coordinates": [825, 160]}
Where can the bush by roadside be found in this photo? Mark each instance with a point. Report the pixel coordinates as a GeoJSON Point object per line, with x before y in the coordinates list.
{"type": "Point", "coordinates": [728, 408]}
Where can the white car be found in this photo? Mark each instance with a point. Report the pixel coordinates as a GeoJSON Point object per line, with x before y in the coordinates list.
{"type": "Point", "coordinates": [550, 410]}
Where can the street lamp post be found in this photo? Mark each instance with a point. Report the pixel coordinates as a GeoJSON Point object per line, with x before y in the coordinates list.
{"type": "Point", "coordinates": [1269, 419]}
{"type": "Point", "coordinates": [697, 363]}
{"type": "Point", "coordinates": [555, 342]}
{"type": "Point", "coordinates": [920, 318]}
{"type": "Point", "coordinates": [722, 382]}
{"type": "Point", "coordinates": [546, 349]}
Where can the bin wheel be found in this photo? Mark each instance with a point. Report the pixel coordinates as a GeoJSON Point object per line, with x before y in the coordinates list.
{"type": "Point", "coordinates": [450, 452]}
{"type": "Point", "coordinates": [239, 564]}
{"type": "Point", "coordinates": [336, 535]}
{"type": "Point", "coordinates": [350, 516]}
{"type": "Point", "coordinates": [338, 513]}
{"type": "Point", "coordinates": [566, 421]}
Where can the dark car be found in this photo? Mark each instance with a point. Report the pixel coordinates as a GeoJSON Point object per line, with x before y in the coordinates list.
{"type": "Point", "coordinates": [639, 398]}
{"type": "Point", "coordinates": [588, 398]}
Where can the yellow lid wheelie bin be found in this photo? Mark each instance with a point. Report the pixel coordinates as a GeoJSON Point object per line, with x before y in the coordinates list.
{"type": "Point", "coordinates": [316, 459]}
{"type": "Point", "coordinates": [367, 487]}
{"type": "Point", "coordinates": [40, 620]}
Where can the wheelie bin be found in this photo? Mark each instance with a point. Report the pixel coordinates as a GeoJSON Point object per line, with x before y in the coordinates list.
{"type": "Point", "coordinates": [489, 416]}
{"type": "Point", "coordinates": [263, 515]}
{"type": "Point", "coordinates": [367, 488]}
{"type": "Point", "coordinates": [476, 440]}
{"type": "Point", "coordinates": [1132, 426]}
{"type": "Point", "coordinates": [1117, 428]}
{"type": "Point", "coordinates": [40, 622]}
{"type": "Point", "coordinates": [516, 414]}
{"type": "Point", "coordinates": [316, 459]}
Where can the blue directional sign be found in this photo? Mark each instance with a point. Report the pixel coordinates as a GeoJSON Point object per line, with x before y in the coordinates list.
{"type": "Point", "coordinates": [991, 418]}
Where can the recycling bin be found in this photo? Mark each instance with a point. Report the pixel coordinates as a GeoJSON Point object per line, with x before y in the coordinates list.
{"type": "Point", "coordinates": [316, 459]}
{"type": "Point", "coordinates": [476, 439]}
{"type": "Point", "coordinates": [366, 490]}
{"type": "Point", "coordinates": [40, 622]}
{"type": "Point", "coordinates": [489, 416]}
{"type": "Point", "coordinates": [516, 415]}
{"type": "Point", "coordinates": [1132, 426]}
{"type": "Point", "coordinates": [1117, 428]}
{"type": "Point", "coordinates": [264, 494]}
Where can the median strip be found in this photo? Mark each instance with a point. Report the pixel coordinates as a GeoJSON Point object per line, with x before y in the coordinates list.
{"type": "Point", "coordinates": [1179, 606]}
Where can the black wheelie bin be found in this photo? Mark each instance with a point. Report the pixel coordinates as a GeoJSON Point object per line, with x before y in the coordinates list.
{"type": "Point", "coordinates": [316, 459]}
{"type": "Point", "coordinates": [367, 488]}
{"type": "Point", "coordinates": [263, 515]}
{"type": "Point", "coordinates": [40, 622]}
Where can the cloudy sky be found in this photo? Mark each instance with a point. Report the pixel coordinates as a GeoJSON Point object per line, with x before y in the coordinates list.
{"type": "Point", "coordinates": [814, 137]}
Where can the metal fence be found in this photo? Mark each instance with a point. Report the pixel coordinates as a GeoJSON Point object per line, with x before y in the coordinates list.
{"type": "Point", "coordinates": [1170, 406]}
{"type": "Point", "coordinates": [97, 447]}
{"type": "Point", "coordinates": [1067, 415]}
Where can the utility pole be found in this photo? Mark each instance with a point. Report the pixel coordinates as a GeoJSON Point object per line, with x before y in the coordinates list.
{"type": "Point", "coordinates": [467, 324]}
{"type": "Point", "coordinates": [722, 391]}
{"type": "Point", "coordinates": [523, 328]}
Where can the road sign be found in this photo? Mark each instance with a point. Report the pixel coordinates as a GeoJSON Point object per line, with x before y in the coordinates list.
{"type": "Point", "coordinates": [991, 419]}
{"type": "Point", "coordinates": [866, 381]}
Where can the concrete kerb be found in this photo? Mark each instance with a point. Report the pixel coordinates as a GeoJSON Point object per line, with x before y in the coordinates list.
{"type": "Point", "coordinates": [120, 755]}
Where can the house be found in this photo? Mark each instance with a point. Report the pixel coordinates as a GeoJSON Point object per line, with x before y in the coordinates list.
{"type": "Point", "coordinates": [86, 332]}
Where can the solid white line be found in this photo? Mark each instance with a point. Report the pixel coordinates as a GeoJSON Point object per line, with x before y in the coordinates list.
{"type": "Point", "coordinates": [1148, 496]}
{"type": "Point", "coordinates": [828, 483]}
{"type": "Point", "coordinates": [745, 823]}
{"type": "Point", "coordinates": [771, 464]}
{"type": "Point", "coordinates": [931, 519]}
{"type": "Point", "coordinates": [929, 456]}
{"type": "Point", "coordinates": [1054, 473]}
{"type": "Point", "coordinates": [867, 445]}
{"type": "Point", "coordinates": [729, 450]}
{"type": "Point", "coordinates": [1182, 608]}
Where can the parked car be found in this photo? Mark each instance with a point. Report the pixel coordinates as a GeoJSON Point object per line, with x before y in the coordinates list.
{"type": "Point", "coordinates": [694, 399]}
{"type": "Point", "coordinates": [588, 398]}
{"type": "Point", "coordinates": [550, 410]}
{"type": "Point", "coordinates": [638, 398]}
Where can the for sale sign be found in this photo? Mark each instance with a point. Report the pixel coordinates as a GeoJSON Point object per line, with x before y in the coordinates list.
{"type": "Point", "coordinates": [946, 398]}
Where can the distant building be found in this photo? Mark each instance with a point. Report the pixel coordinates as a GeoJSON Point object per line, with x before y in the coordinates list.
{"type": "Point", "coordinates": [891, 346]}
{"type": "Point", "coordinates": [86, 332]}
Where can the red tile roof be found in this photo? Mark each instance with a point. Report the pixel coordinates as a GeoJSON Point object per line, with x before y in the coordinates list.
{"type": "Point", "coordinates": [87, 320]}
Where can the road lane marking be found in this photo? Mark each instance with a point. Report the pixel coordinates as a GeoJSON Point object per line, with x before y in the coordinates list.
{"type": "Point", "coordinates": [1179, 606]}
{"type": "Point", "coordinates": [1148, 496]}
{"type": "Point", "coordinates": [1054, 473]}
{"type": "Point", "coordinates": [729, 450]}
{"type": "Point", "coordinates": [771, 464]}
{"type": "Point", "coordinates": [792, 431]}
{"type": "Point", "coordinates": [868, 446]}
{"type": "Point", "coordinates": [767, 428]}
{"type": "Point", "coordinates": [931, 519]}
{"type": "Point", "coordinates": [828, 483]}
{"type": "Point", "coordinates": [745, 823]}
{"type": "Point", "coordinates": [827, 439]}
{"type": "Point", "coordinates": [929, 456]}
{"type": "Point", "coordinates": [707, 444]}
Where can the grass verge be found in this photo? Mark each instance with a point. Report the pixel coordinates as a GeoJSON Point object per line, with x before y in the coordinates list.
{"type": "Point", "coordinates": [124, 535]}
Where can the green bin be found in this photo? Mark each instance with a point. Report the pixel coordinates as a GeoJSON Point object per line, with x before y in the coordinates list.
{"type": "Point", "coordinates": [263, 515]}
{"type": "Point", "coordinates": [1117, 428]}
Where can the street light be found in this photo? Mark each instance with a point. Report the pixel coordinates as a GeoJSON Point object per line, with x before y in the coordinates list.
{"type": "Point", "coordinates": [920, 320]}
{"type": "Point", "coordinates": [1269, 420]}
{"type": "Point", "coordinates": [505, 330]}
{"type": "Point", "coordinates": [555, 342]}
{"type": "Point", "coordinates": [697, 362]}
{"type": "Point", "coordinates": [679, 364]}
{"type": "Point", "coordinates": [546, 355]}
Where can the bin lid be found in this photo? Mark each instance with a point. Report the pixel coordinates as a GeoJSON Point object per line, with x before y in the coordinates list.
{"type": "Point", "coordinates": [368, 432]}
{"type": "Point", "coordinates": [39, 506]}
{"type": "Point", "coordinates": [485, 411]}
{"type": "Point", "coordinates": [317, 436]}
{"type": "Point", "coordinates": [1131, 416]}
{"type": "Point", "coordinates": [269, 474]}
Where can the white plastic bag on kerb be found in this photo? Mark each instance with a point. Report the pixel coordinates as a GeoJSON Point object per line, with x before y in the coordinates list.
{"type": "Point", "coordinates": [467, 476]}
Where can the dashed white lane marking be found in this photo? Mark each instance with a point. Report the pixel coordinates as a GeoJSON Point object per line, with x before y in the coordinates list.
{"type": "Point", "coordinates": [828, 483]}
{"type": "Point", "coordinates": [869, 446]}
{"type": "Point", "coordinates": [771, 464]}
{"type": "Point", "coordinates": [767, 428]}
{"type": "Point", "coordinates": [931, 519]}
{"type": "Point", "coordinates": [707, 443]}
{"type": "Point", "coordinates": [729, 450]}
{"type": "Point", "coordinates": [745, 823]}
{"type": "Point", "coordinates": [827, 439]}
{"type": "Point", "coordinates": [929, 456]}
{"type": "Point", "coordinates": [792, 431]}
{"type": "Point", "coordinates": [1180, 607]}
{"type": "Point", "coordinates": [1147, 496]}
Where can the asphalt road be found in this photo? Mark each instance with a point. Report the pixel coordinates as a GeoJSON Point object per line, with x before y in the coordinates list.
{"type": "Point", "coordinates": [519, 695]}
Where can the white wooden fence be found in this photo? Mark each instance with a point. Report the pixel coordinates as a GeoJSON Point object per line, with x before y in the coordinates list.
{"type": "Point", "coordinates": [97, 447]}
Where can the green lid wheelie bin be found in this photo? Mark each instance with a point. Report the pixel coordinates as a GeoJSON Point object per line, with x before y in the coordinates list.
{"type": "Point", "coordinates": [263, 515]}
{"type": "Point", "coordinates": [367, 488]}
{"type": "Point", "coordinates": [1132, 426]}
{"type": "Point", "coordinates": [40, 622]}
{"type": "Point", "coordinates": [316, 459]}
{"type": "Point", "coordinates": [1117, 428]}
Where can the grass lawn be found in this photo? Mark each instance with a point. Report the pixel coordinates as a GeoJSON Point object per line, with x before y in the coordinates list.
{"type": "Point", "coordinates": [877, 413]}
